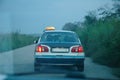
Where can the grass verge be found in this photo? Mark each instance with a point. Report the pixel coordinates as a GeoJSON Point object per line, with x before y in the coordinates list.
{"type": "Point", "coordinates": [15, 40]}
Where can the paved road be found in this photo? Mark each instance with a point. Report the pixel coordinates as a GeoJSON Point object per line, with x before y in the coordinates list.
{"type": "Point", "coordinates": [23, 68]}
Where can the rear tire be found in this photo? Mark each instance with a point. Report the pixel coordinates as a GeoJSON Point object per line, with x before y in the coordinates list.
{"type": "Point", "coordinates": [36, 67]}
{"type": "Point", "coordinates": [80, 67]}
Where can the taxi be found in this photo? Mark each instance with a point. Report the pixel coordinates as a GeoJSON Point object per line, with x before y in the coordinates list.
{"type": "Point", "coordinates": [59, 47]}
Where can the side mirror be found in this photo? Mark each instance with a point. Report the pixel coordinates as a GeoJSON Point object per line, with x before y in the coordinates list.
{"type": "Point", "coordinates": [36, 41]}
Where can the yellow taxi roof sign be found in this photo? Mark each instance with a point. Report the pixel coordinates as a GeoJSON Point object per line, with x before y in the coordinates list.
{"type": "Point", "coordinates": [50, 28]}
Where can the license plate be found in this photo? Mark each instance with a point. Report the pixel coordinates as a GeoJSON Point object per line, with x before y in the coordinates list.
{"type": "Point", "coordinates": [59, 49]}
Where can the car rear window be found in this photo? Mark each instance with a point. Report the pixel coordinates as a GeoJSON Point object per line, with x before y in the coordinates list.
{"type": "Point", "coordinates": [59, 37]}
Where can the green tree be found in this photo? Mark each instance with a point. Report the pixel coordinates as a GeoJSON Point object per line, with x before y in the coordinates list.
{"type": "Point", "coordinates": [90, 18]}
{"type": "Point", "coordinates": [70, 26]}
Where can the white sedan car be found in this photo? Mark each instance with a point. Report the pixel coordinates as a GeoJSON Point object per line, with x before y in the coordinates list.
{"type": "Point", "coordinates": [59, 47]}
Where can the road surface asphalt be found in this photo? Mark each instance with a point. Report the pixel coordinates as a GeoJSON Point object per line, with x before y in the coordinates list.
{"type": "Point", "coordinates": [24, 69]}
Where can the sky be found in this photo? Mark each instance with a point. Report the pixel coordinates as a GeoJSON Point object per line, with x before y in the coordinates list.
{"type": "Point", "coordinates": [32, 16]}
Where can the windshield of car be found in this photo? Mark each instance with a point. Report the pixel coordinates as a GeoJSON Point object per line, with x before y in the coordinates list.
{"type": "Point", "coordinates": [59, 37]}
{"type": "Point", "coordinates": [60, 28]}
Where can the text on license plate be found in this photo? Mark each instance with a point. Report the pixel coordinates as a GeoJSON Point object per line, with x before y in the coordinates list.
{"type": "Point", "coordinates": [59, 49]}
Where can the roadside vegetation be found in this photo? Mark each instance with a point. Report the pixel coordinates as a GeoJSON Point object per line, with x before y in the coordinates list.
{"type": "Point", "coordinates": [15, 40]}
{"type": "Point", "coordinates": [100, 35]}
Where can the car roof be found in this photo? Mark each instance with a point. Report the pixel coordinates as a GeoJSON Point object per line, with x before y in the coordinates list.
{"type": "Point", "coordinates": [60, 31]}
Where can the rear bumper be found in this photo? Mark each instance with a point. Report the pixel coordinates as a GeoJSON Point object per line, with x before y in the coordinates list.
{"type": "Point", "coordinates": [59, 60]}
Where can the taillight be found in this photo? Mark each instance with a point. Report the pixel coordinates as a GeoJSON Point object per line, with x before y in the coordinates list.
{"type": "Point", "coordinates": [76, 49]}
{"type": "Point", "coordinates": [42, 48]}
